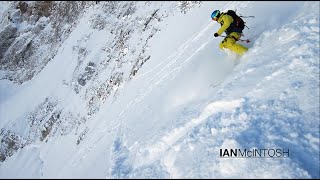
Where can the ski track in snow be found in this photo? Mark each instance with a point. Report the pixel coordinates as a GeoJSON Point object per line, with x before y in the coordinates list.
{"type": "Point", "coordinates": [166, 71]}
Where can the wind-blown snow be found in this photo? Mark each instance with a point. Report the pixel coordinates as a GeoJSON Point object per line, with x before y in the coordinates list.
{"type": "Point", "coordinates": [188, 101]}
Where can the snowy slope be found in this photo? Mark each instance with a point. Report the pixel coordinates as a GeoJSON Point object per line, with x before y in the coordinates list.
{"type": "Point", "coordinates": [150, 95]}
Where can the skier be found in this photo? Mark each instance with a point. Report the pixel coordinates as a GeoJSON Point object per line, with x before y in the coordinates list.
{"type": "Point", "coordinates": [230, 26]}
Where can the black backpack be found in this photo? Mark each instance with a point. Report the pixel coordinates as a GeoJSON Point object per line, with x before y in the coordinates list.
{"type": "Point", "coordinates": [238, 22]}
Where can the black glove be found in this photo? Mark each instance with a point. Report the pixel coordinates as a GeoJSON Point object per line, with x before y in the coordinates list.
{"type": "Point", "coordinates": [216, 34]}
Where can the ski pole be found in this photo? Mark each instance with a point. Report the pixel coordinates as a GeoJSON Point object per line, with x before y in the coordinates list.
{"type": "Point", "coordinates": [243, 40]}
{"type": "Point", "coordinates": [246, 16]}
{"type": "Point", "coordinates": [246, 40]}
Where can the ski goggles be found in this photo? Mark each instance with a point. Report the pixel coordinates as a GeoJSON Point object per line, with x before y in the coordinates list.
{"type": "Point", "coordinates": [215, 19]}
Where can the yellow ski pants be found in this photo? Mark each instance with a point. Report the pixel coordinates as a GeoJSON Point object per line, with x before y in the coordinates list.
{"type": "Point", "coordinates": [229, 42]}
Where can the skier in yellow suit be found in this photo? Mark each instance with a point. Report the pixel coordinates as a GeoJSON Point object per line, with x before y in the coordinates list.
{"type": "Point", "coordinates": [230, 27]}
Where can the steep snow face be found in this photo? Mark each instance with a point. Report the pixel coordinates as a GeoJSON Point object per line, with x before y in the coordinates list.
{"type": "Point", "coordinates": [141, 90]}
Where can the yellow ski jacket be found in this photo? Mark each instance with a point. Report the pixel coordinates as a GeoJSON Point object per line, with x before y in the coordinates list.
{"type": "Point", "coordinates": [225, 21]}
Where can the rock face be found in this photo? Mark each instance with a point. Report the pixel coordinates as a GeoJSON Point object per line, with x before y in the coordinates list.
{"type": "Point", "coordinates": [31, 34]}
{"type": "Point", "coordinates": [7, 35]}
